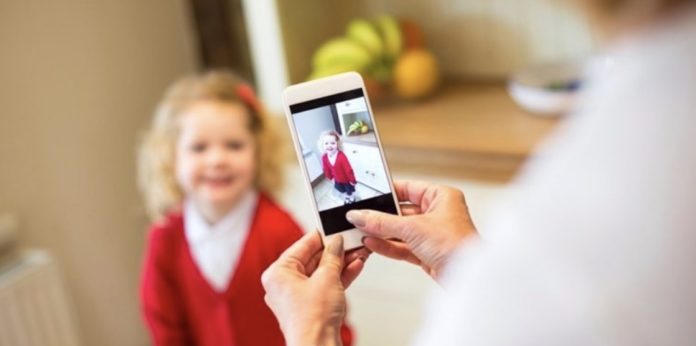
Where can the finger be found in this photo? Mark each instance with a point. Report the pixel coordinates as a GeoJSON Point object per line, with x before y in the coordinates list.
{"type": "Point", "coordinates": [411, 190]}
{"type": "Point", "coordinates": [302, 251]}
{"type": "Point", "coordinates": [381, 224]}
{"type": "Point", "coordinates": [410, 209]}
{"type": "Point", "coordinates": [313, 263]}
{"type": "Point", "coordinates": [352, 271]}
{"type": "Point", "coordinates": [355, 254]}
{"type": "Point", "coordinates": [332, 259]}
{"type": "Point", "coordinates": [392, 249]}
{"type": "Point", "coordinates": [424, 194]}
{"type": "Point", "coordinates": [349, 257]}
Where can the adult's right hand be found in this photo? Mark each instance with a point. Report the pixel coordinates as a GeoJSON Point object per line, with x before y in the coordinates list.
{"type": "Point", "coordinates": [435, 220]}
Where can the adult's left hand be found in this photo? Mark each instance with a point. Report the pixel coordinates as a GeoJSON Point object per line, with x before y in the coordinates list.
{"type": "Point", "coordinates": [305, 289]}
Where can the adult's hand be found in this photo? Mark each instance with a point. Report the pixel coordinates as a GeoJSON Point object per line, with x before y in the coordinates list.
{"type": "Point", "coordinates": [305, 289]}
{"type": "Point", "coordinates": [435, 220]}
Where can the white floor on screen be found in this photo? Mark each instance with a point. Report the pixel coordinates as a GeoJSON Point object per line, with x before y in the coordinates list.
{"type": "Point", "coordinates": [328, 197]}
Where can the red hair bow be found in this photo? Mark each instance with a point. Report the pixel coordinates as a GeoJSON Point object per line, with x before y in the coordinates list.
{"type": "Point", "coordinates": [246, 93]}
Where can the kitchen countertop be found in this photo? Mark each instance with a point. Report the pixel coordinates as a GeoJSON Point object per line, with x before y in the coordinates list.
{"type": "Point", "coordinates": [364, 139]}
{"type": "Point", "coordinates": [471, 131]}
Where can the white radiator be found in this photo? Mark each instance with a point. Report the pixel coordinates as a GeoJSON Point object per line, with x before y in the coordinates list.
{"type": "Point", "coordinates": [34, 307]}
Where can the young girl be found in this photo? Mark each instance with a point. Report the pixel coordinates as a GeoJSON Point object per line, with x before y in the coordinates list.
{"type": "Point", "coordinates": [336, 166]}
{"type": "Point", "coordinates": [207, 169]}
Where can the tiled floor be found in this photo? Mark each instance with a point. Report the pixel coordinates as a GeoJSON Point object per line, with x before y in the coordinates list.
{"type": "Point", "coordinates": [328, 197]}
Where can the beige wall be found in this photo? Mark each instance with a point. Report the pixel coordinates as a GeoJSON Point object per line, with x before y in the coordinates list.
{"type": "Point", "coordinates": [78, 81]}
{"type": "Point", "coordinates": [489, 39]}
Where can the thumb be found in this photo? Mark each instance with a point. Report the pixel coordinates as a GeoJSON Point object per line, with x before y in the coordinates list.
{"type": "Point", "coordinates": [332, 258]}
{"type": "Point", "coordinates": [380, 224]}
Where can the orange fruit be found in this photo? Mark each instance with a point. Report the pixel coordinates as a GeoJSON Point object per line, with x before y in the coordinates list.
{"type": "Point", "coordinates": [416, 74]}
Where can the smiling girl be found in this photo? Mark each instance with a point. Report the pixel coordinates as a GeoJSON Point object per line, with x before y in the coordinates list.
{"type": "Point", "coordinates": [207, 171]}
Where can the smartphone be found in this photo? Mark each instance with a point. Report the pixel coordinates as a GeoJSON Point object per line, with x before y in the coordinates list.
{"type": "Point", "coordinates": [339, 151]}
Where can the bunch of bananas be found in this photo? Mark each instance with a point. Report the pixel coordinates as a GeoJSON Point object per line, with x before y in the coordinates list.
{"type": "Point", "coordinates": [384, 50]}
{"type": "Point", "coordinates": [369, 47]}
{"type": "Point", "coordinates": [357, 127]}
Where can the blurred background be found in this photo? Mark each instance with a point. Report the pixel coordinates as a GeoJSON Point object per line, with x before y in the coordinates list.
{"type": "Point", "coordinates": [80, 80]}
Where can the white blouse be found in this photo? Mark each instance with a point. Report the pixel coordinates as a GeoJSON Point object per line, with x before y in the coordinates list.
{"type": "Point", "coordinates": [597, 243]}
{"type": "Point", "coordinates": [332, 158]}
{"type": "Point", "coordinates": [216, 249]}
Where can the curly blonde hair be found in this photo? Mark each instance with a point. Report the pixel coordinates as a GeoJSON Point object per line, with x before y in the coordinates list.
{"type": "Point", "coordinates": [320, 141]}
{"type": "Point", "coordinates": [157, 153]}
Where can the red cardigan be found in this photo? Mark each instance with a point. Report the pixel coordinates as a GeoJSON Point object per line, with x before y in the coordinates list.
{"type": "Point", "coordinates": [181, 308]}
{"type": "Point", "coordinates": [341, 171]}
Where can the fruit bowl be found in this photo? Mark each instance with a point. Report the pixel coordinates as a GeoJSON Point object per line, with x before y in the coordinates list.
{"type": "Point", "coordinates": [547, 89]}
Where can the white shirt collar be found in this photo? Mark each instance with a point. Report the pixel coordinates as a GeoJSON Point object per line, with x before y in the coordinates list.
{"type": "Point", "coordinates": [216, 249]}
{"type": "Point", "coordinates": [198, 229]}
{"type": "Point", "coordinates": [332, 157]}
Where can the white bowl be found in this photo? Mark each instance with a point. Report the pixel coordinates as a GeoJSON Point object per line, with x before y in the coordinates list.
{"type": "Point", "coordinates": [547, 89]}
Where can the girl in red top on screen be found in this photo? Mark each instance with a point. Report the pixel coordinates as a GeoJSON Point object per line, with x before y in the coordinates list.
{"type": "Point", "coordinates": [336, 166]}
{"type": "Point", "coordinates": [207, 169]}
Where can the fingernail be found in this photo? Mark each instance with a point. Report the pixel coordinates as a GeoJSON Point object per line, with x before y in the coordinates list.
{"type": "Point", "coordinates": [335, 246]}
{"type": "Point", "coordinates": [357, 218]}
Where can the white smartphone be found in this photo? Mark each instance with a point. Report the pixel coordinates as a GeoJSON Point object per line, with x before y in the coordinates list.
{"type": "Point", "coordinates": [340, 153]}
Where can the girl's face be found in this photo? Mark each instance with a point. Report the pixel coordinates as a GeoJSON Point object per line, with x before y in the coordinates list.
{"type": "Point", "coordinates": [215, 153]}
{"type": "Point", "coordinates": [330, 144]}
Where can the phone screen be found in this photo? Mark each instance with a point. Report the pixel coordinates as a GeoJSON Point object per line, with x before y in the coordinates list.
{"type": "Point", "coordinates": [342, 157]}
